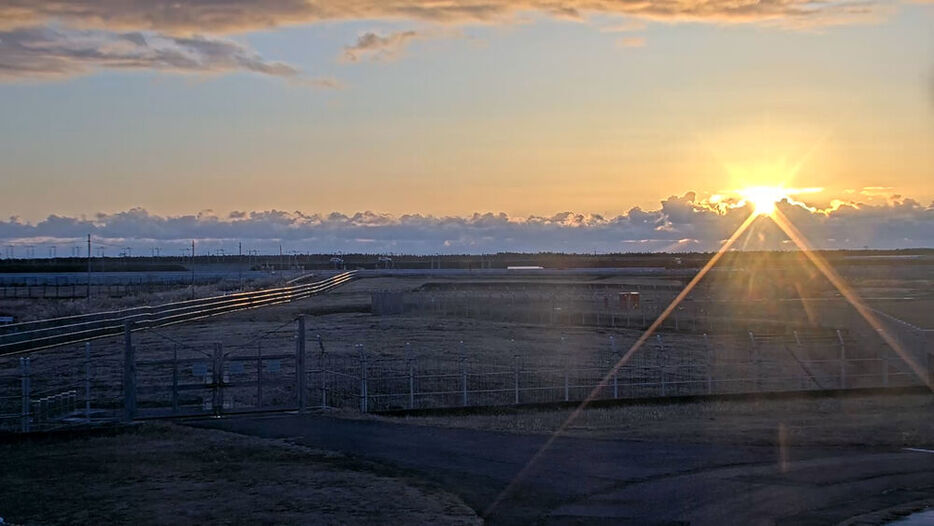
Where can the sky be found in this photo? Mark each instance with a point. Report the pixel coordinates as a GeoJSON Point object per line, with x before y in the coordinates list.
{"type": "Point", "coordinates": [461, 125]}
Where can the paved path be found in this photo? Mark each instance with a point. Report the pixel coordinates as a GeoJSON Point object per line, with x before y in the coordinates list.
{"type": "Point", "coordinates": [622, 481]}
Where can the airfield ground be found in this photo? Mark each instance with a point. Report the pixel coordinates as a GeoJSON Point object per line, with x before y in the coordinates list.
{"type": "Point", "coordinates": [159, 473]}
{"type": "Point", "coordinates": [893, 420]}
{"type": "Point", "coordinates": [181, 467]}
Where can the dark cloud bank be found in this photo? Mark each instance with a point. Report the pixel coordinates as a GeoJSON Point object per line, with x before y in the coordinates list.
{"type": "Point", "coordinates": [679, 224]}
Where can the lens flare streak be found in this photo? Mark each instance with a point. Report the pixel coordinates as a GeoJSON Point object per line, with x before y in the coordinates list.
{"type": "Point", "coordinates": [768, 209]}
{"type": "Point", "coordinates": [624, 359]}
{"type": "Point", "coordinates": [849, 294]}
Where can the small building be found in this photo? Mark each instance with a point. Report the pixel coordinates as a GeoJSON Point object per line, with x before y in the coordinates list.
{"type": "Point", "coordinates": [629, 300]}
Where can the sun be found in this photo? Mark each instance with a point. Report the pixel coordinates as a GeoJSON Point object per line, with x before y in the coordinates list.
{"type": "Point", "coordinates": [764, 198]}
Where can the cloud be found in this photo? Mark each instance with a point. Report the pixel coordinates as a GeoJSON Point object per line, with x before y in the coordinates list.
{"type": "Point", "coordinates": [631, 42]}
{"type": "Point", "coordinates": [232, 16]}
{"type": "Point", "coordinates": [48, 51]}
{"type": "Point", "coordinates": [60, 38]}
{"type": "Point", "coordinates": [625, 27]}
{"type": "Point", "coordinates": [378, 47]}
{"type": "Point", "coordinates": [680, 223]}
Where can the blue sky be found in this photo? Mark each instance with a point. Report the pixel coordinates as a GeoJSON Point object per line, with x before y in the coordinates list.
{"type": "Point", "coordinates": [520, 111]}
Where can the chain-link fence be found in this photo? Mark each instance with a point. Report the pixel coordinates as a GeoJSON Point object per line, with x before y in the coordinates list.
{"type": "Point", "coordinates": [154, 373]}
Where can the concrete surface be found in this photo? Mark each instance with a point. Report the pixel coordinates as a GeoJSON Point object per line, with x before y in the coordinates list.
{"type": "Point", "coordinates": [589, 481]}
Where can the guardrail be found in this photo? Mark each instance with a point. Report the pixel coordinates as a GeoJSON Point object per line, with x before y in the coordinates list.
{"type": "Point", "coordinates": [42, 334]}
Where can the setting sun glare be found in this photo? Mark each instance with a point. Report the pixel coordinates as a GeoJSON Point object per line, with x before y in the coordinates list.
{"type": "Point", "coordinates": [763, 198]}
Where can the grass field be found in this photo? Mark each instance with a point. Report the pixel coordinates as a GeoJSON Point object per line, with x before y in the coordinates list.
{"type": "Point", "coordinates": [883, 421]}
{"type": "Point", "coordinates": [168, 474]}
{"type": "Point", "coordinates": [160, 473]}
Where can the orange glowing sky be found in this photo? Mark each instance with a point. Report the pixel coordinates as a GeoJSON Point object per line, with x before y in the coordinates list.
{"type": "Point", "coordinates": [461, 107]}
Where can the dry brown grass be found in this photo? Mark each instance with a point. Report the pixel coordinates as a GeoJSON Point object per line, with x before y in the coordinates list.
{"type": "Point", "coordinates": [45, 308]}
{"type": "Point", "coordinates": [883, 421]}
{"type": "Point", "coordinates": [166, 474]}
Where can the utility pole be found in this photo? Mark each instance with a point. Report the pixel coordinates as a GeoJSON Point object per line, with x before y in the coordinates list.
{"type": "Point", "coordinates": [192, 269]}
{"type": "Point", "coordinates": [240, 263]}
{"type": "Point", "coordinates": [89, 268]}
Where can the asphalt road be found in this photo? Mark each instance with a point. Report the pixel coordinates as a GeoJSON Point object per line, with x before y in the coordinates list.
{"type": "Point", "coordinates": [589, 481]}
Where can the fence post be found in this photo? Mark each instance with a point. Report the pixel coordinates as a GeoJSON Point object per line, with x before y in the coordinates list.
{"type": "Point", "coordinates": [662, 361]}
{"type": "Point", "coordinates": [709, 364]}
{"type": "Point", "coordinates": [516, 357]}
{"type": "Point", "coordinates": [753, 353]}
{"type": "Point", "coordinates": [364, 388]}
{"type": "Point", "coordinates": [411, 383]}
{"type": "Point", "coordinates": [754, 357]}
{"type": "Point", "coordinates": [463, 374]}
{"type": "Point", "coordinates": [616, 365]}
{"type": "Point", "coordinates": [87, 382]}
{"type": "Point", "coordinates": [129, 373]}
{"type": "Point", "coordinates": [175, 379]}
{"type": "Point", "coordinates": [804, 384]}
{"type": "Point", "coordinates": [323, 378]}
{"type": "Point", "coordinates": [567, 389]}
{"type": "Point", "coordinates": [300, 363]}
{"type": "Point", "coordinates": [217, 402]}
{"type": "Point", "coordinates": [842, 360]}
{"type": "Point", "coordinates": [885, 371]}
{"type": "Point", "coordinates": [259, 374]}
{"type": "Point", "coordinates": [26, 387]}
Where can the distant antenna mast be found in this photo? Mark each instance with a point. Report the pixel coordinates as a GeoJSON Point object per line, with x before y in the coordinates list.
{"type": "Point", "coordinates": [89, 268]}
{"type": "Point", "coordinates": [192, 269]}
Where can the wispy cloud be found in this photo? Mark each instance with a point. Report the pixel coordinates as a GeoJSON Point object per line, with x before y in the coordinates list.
{"type": "Point", "coordinates": [50, 51]}
{"type": "Point", "coordinates": [57, 38]}
{"type": "Point", "coordinates": [631, 42]}
{"type": "Point", "coordinates": [682, 223]}
{"type": "Point", "coordinates": [377, 47]}
{"type": "Point", "coordinates": [226, 16]}
{"type": "Point", "coordinates": [624, 27]}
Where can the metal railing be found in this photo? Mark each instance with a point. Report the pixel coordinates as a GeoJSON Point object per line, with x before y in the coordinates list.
{"type": "Point", "coordinates": [377, 384]}
{"type": "Point", "coordinates": [173, 378]}
{"type": "Point", "coordinates": [42, 334]}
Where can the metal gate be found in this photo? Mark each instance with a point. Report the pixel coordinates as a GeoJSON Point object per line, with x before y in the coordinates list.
{"type": "Point", "coordinates": [209, 380]}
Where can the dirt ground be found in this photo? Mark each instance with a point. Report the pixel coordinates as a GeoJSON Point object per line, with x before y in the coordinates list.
{"type": "Point", "coordinates": [168, 474]}
{"type": "Point", "coordinates": [882, 420]}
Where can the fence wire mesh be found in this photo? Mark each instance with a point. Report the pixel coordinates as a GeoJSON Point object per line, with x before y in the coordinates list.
{"type": "Point", "coordinates": [288, 367]}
